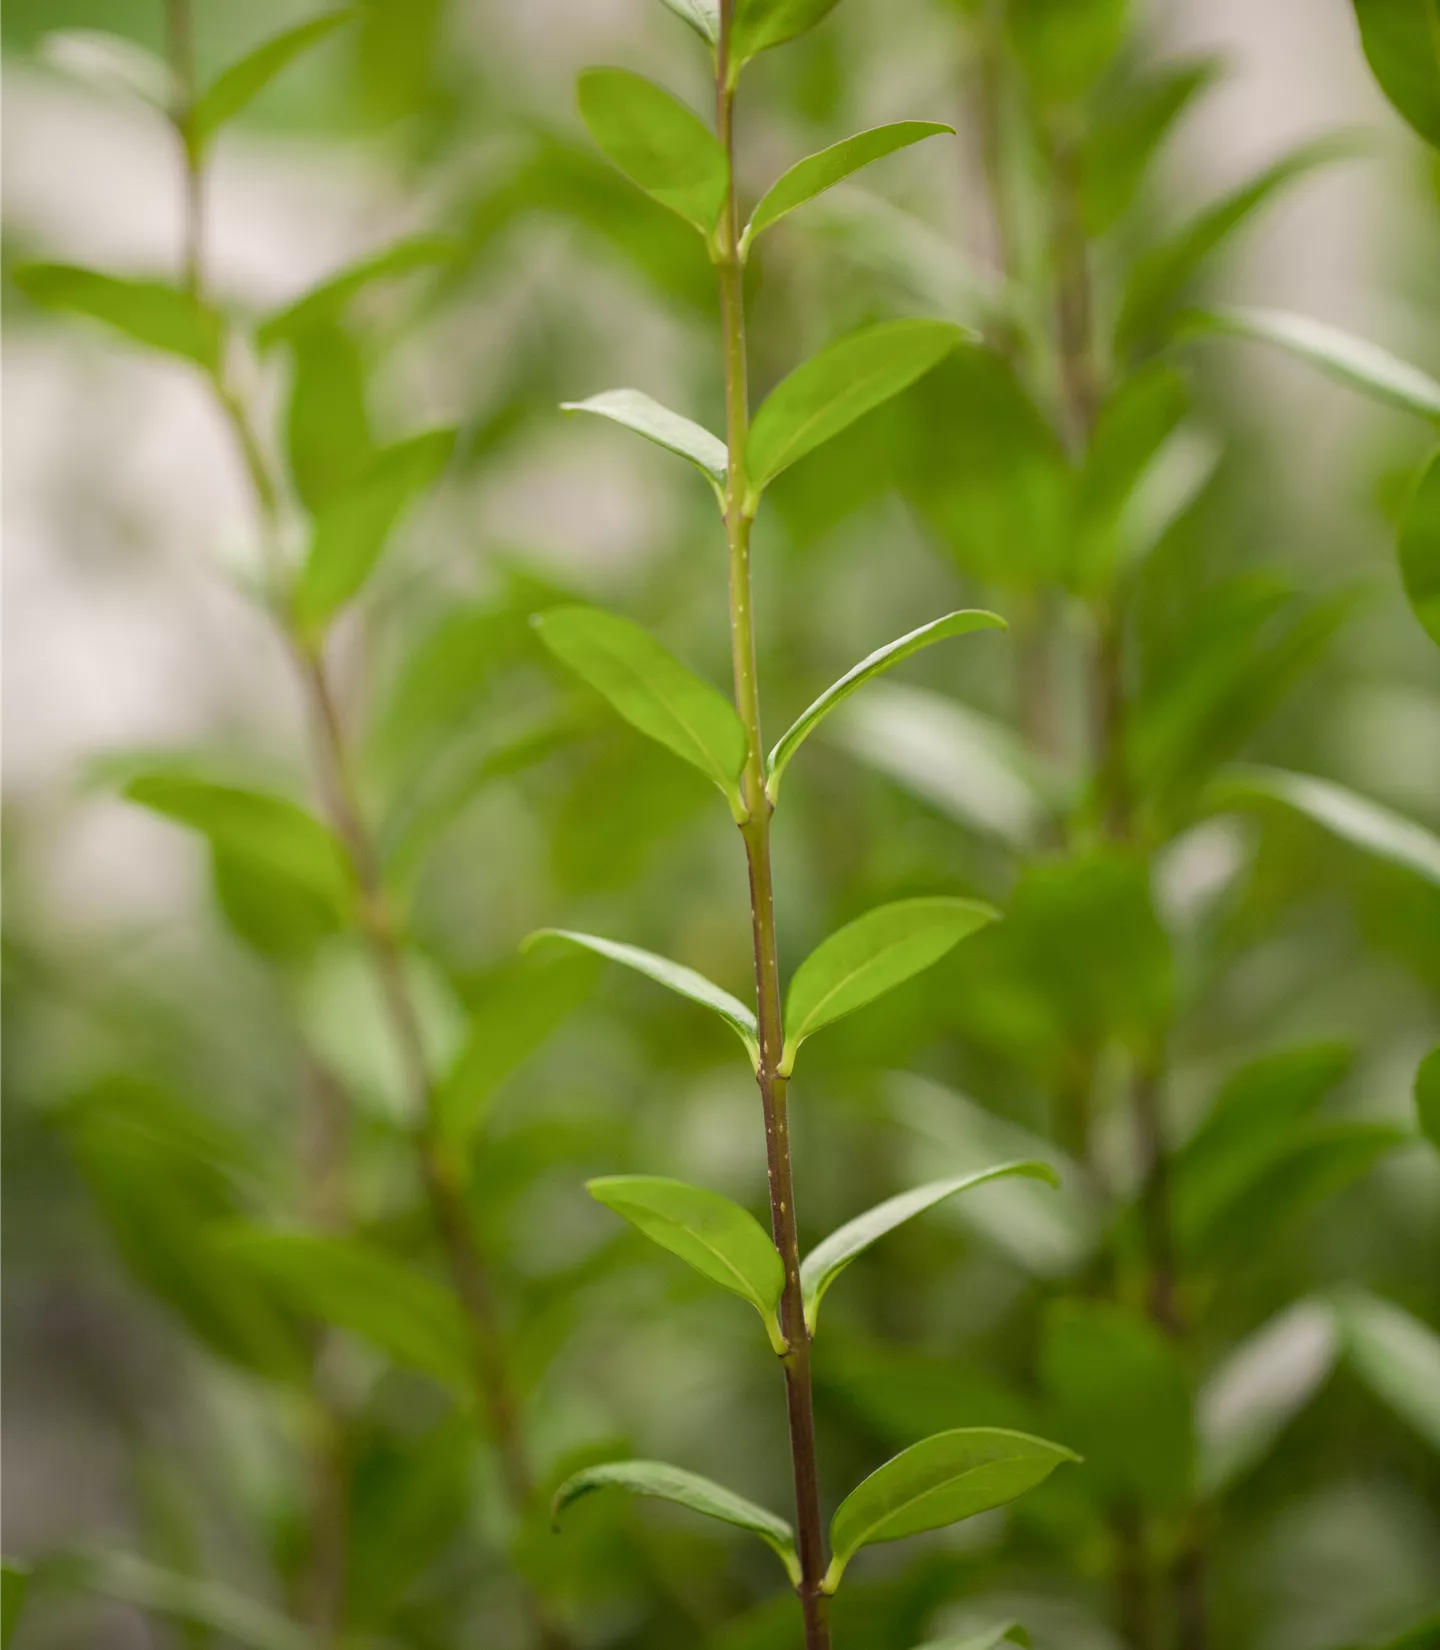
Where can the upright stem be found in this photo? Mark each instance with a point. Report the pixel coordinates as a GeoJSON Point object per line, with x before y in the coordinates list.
{"type": "Point", "coordinates": [756, 835]}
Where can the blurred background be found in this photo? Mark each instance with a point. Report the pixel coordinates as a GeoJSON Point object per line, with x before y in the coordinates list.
{"type": "Point", "coordinates": [161, 1066]}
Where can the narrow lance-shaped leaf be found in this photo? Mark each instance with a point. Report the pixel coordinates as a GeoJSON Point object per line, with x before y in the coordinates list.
{"type": "Point", "coordinates": [1354, 819]}
{"type": "Point", "coordinates": [326, 303]}
{"type": "Point", "coordinates": [674, 976]}
{"type": "Point", "coordinates": [1354, 361]}
{"type": "Point", "coordinates": [685, 1489]}
{"type": "Point", "coordinates": [1402, 45]}
{"type": "Point", "coordinates": [871, 956]}
{"type": "Point", "coordinates": [207, 1606]}
{"type": "Point", "coordinates": [819, 172]}
{"type": "Point", "coordinates": [722, 1241]}
{"type": "Point", "coordinates": [657, 142]}
{"type": "Point", "coordinates": [652, 690]}
{"type": "Point", "coordinates": [1419, 549]}
{"type": "Point", "coordinates": [1427, 1097]}
{"type": "Point", "coordinates": [761, 24]}
{"type": "Point", "coordinates": [242, 82]}
{"type": "Point", "coordinates": [939, 1481]}
{"type": "Point", "coordinates": [639, 412]}
{"type": "Point", "coordinates": [831, 390]}
{"type": "Point", "coordinates": [152, 313]}
{"type": "Point", "coordinates": [1397, 1356]}
{"type": "Point", "coordinates": [352, 528]}
{"type": "Point", "coordinates": [702, 15]}
{"type": "Point", "coordinates": [829, 1259]}
{"type": "Point", "coordinates": [874, 664]}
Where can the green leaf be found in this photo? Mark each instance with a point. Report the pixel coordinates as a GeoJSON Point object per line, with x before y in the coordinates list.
{"type": "Point", "coordinates": [1254, 1394]}
{"type": "Point", "coordinates": [1397, 1357]}
{"type": "Point", "coordinates": [1420, 550]}
{"type": "Point", "coordinates": [1008, 1632]}
{"type": "Point", "coordinates": [637, 411]}
{"type": "Point", "coordinates": [1427, 1097]}
{"type": "Point", "coordinates": [1354, 361]}
{"type": "Point", "coordinates": [352, 528]}
{"type": "Point", "coordinates": [243, 82]}
{"type": "Point", "coordinates": [513, 1018]}
{"type": "Point", "coordinates": [871, 956]}
{"type": "Point", "coordinates": [702, 15]}
{"type": "Point", "coordinates": [1118, 1389]}
{"type": "Point", "coordinates": [359, 1288]}
{"type": "Point", "coordinates": [685, 1489]}
{"type": "Point", "coordinates": [1158, 280]}
{"type": "Point", "coordinates": [657, 142]}
{"type": "Point", "coordinates": [327, 427]}
{"type": "Point", "coordinates": [675, 976]}
{"type": "Point", "coordinates": [829, 1259]}
{"type": "Point", "coordinates": [1064, 46]}
{"type": "Point", "coordinates": [819, 172]}
{"type": "Point", "coordinates": [874, 664]}
{"type": "Point", "coordinates": [149, 312]}
{"type": "Point", "coordinates": [1354, 819]}
{"type": "Point", "coordinates": [254, 828]}
{"type": "Point", "coordinates": [14, 1582]}
{"type": "Point", "coordinates": [831, 390]}
{"type": "Point", "coordinates": [761, 24]}
{"type": "Point", "coordinates": [652, 690]}
{"type": "Point", "coordinates": [207, 1606]}
{"type": "Point", "coordinates": [325, 304]}
{"type": "Point", "coordinates": [939, 1481]}
{"type": "Point", "coordinates": [717, 1237]}
{"type": "Point", "coordinates": [1402, 45]}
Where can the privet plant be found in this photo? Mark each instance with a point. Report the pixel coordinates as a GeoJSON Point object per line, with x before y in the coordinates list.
{"type": "Point", "coordinates": [670, 152]}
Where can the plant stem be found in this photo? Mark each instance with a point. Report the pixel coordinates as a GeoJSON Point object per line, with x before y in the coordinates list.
{"type": "Point", "coordinates": [756, 835]}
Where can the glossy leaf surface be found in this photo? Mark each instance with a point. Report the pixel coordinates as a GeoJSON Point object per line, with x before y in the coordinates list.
{"type": "Point", "coordinates": [657, 142]}
{"type": "Point", "coordinates": [639, 412]}
{"type": "Point", "coordinates": [761, 24]}
{"type": "Point", "coordinates": [685, 1489]}
{"type": "Point", "coordinates": [652, 690]}
{"type": "Point", "coordinates": [240, 84]}
{"type": "Point", "coordinates": [829, 1258]}
{"type": "Point", "coordinates": [152, 313]}
{"type": "Point", "coordinates": [872, 665]}
{"type": "Point", "coordinates": [871, 956]}
{"type": "Point", "coordinates": [939, 1481]}
{"type": "Point", "coordinates": [702, 15]}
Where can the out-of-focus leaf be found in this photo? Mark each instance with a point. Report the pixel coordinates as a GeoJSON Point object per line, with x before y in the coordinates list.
{"type": "Point", "coordinates": [817, 173]}
{"type": "Point", "coordinates": [327, 427]}
{"type": "Point", "coordinates": [1427, 1097]}
{"type": "Point", "coordinates": [1257, 1114]}
{"type": "Point", "coordinates": [717, 1237]}
{"type": "Point", "coordinates": [1420, 550]}
{"type": "Point", "coordinates": [1160, 279]}
{"type": "Point", "coordinates": [149, 312]}
{"type": "Point", "coordinates": [325, 304]}
{"type": "Point", "coordinates": [1064, 46]}
{"type": "Point", "coordinates": [1354, 361]}
{"type": "Point", "coordinates": [702, 15]}
{"type": "Point", "coordinates": [871, 956]}
{"type": "Point", "coordinates": [247, 827]}
{"type": "Point", "coordinates": [827, 393]}
{"type": "Point", "coordinates": [1247, 1402]}
{"type": "Point", "coordinates": [969, 766]}
{"type": "Point", "coordinates": [163, 1175]}
{"type": "Point", "coordinates": [898, 1391]}
{"type": "Point", "coordinates": [14, 1582]}
{"type": "Point", "coordinates": [1352, 818]}
{"type": "Point", "coordinates": [637, 411]}
{"type": "Point", "coordinates": [1008, 1632]}
{"type": "Point", "coordinates": [206, 1605]}
{"type": "Point", "coordinates": [657, 142]}
{"type": "Point", "coordinates": [239, 85]}
{"type": "Point", "coordinates": [352, 528]}
{"type": "Point", "coordinates": [513, 1018]}
{"type": "Point", "coordinates": [939, 1481]}
{"type": "Point", "coordinates": [1123, 139]}
{"type": "Point", "coordinates": [685, 1489]}
{"type": "Point", "coordinates": [872, 665]}
{"type": "Point", "coordinates": [986, 471]}
{"type": "Point", "coordinates": [1118, 1390]}
{"type": "Point", "coordinates": [1402, 45]}
{"type": "Point", "coordinates": [675, 976]}
{"type": "Point", "coordinates": [110, 63]}
{"type": "Point", "coordinates": [652, 690]}
{"type": "Point", "coordinates": [363, 1290]}
{"type": "Point", "coordinates": [829, 1258]}
{"type": "Point", "coordinates": [281, 919]}
{"type": "Point", "coordinates": [1397, 1357]}
{"type": "Point", "coordinates": [761, 24]}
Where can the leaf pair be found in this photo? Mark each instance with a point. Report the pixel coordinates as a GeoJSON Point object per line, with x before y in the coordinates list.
{"type": "Point", "coordinates": [940, 1481]}
{"type": "Point", "coordinates": [756, 26]}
